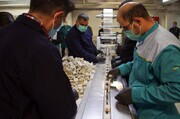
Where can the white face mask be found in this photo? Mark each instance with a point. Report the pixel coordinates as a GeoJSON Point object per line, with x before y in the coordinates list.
{"type": "Point", "coordinates": [53, 31]}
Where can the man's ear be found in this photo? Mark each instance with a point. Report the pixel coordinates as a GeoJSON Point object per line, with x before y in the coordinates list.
{"type": "Point", "coordinates": [137, 20]}
{"type": "Point", "coordinates": [77, 22]}
{"type": "Point", "coordinates": [59, 15]}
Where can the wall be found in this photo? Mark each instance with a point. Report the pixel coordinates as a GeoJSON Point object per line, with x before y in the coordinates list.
{"type": "Point", "coordinates": [160, 14]}
{"type": "Point", "coordinates": [170, 17]}
{"type": "Point", "coordinates": [15, 11]}
{"type": "Point", "coordinates": [96, 22]}
{"type": "Point", "coordinates": [166, 17]}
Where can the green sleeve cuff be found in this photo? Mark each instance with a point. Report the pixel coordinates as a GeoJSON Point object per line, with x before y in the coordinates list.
{"type": "Point", "coordinates": [134, 94]}
{"type": "Point", "coordinates": [125, 69]}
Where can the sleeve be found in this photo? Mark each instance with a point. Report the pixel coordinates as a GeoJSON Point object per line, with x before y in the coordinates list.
{"type": "Point", "coordinates": [91, 33]}
{"type": "Point", "coordinates": [125, 69]}
{"type": "Point", "coordinates": [167, 72]}
{"type": "Point", "coordinates": [75, 47]}
{"type": "Point", "coordinates": [48, 86]}
{"type": "Point", "coordinates": [127, 59]}
{"type": "Point", "coordinates": [91, 30]}
{"type": "Point", "coordinates": [170, 29]}
{"type": "Point", "coordinates": [95, 49]}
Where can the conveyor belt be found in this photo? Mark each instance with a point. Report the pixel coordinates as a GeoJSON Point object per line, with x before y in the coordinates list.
{"type": "Point", "coordinates": [118, 111]}
{"type": "Point", "coordinates": [93, 102]}
{"type": "Point", "coordinates": [91, 106]}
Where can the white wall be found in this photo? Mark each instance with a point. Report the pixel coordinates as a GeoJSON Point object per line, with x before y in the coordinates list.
{"type": "Point", "coordinates": [14, 11]}
{"type": "Point", "coordinates": [166, 17]}
{"type": "Point", "coordinates": [160, 14]}
{"type": "Point", "coordinates": [171, 17]}
{"type": "Point", "coordinates": [96, 22]}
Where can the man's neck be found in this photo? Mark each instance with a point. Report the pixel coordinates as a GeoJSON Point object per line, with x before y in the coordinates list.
{"type": "Point", "coordinates": [149, 24]}
{"type": "Point", "coordinates": [45, 20]}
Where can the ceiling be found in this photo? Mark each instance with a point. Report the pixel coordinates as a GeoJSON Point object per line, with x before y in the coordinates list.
{"type": "Point", "coordinates": [88, 4]}
{"type": "Point", "coordinates": [93, 4]}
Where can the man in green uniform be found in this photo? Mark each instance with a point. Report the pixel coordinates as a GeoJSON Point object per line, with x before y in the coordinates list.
{"type": "Point", "coordinates": [61, 35]}
{"type": "Point", "coordinates": [154, 81]}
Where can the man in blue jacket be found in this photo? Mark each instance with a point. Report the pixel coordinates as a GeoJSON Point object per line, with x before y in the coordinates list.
{"type": "Point", "coordinates": [175, 30]}
{"type": "Point", "coordinates": [79, 41]}
{"type": "Point", "coordinates": [33, 84]}
{"type": "Point", "coordinates": [154, 73]}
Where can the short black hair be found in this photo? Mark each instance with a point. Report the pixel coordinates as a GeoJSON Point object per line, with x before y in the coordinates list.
{"type": "Point", "coordinates": [83, 16]}
{"type": "Point", "coordinates": [175, 22]}
{"type": "Point", "coordinates": [5, 18]}
{"type": "Point", "coordinates": [124, 2]}
{"type": "Point", "coordinates": [47, 7]}
{"type": "Point", "coordinates": [136, 10]}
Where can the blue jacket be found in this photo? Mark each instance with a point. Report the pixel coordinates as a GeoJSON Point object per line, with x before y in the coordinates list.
{"type": "Point", "coordinates": [33, 84]}
{"type": "Point", "coordinates": [80, 44]}
{"type": "Point", "coordinates": [155, 74]}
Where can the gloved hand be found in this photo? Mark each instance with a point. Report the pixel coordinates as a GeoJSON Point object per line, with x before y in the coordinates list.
{"type": "Point", "coordinates": [114, 73]}
{"type": "Point", "coordinates": [99, 52]}
{"type": "Point", "coordinates": [76, 95]}
{"type": "Point", "coordinates": [100, 58]}
{"type": "Point", "coordinates": [116, 63]}
{"type": "Point", "coordinates": [115, 59]}
{"type": "Point", "coordinates": [124, 96]}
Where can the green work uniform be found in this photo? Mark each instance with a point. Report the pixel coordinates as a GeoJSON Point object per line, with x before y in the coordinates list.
{"type": "Point", "coordinates": [61, 35]}
{"type": "Point", "coordinates": [155, 74]}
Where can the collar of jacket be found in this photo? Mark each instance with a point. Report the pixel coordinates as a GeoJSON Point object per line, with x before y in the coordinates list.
{"type": "Point", "coordinates": [32, 23]}
{"type": "Point", "coordinates": [153, 28]}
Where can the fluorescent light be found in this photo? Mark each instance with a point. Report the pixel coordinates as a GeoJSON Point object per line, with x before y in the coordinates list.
{"type": "Point", "coordinates": [168, 1]}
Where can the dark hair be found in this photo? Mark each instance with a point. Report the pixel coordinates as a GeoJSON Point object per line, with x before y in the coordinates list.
{"type": "Point", "coordinates": [83, 16]}
{"type": "Point", "coordinates": [123, 2]}
{"type": "Point", "coordinates": [136, 10]}
{"type": "Point", "coordinates": [175, 22]}
{"type": "Point", "coordinates": [47, 7]}
{"type": "Point", "coordinates": [5, 18]}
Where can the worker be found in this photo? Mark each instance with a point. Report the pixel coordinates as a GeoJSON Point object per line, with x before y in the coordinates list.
{"type": "Point", "coordinates": [101, 30]}
{"type": "Point", "coordinates": [175, 30]}
{"type": "Point", "coordinates": [61, 35]}
{"type": "Point", "coordinates": [33, 84]}
{"type": "Point", "coordinates": [79, 41]}
{"type": "Point", "coordinates": [124, 52]}
{"type": "Point", "coordinates": [154, 86]}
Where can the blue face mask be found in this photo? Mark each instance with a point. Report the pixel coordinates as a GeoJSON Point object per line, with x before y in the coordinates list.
{"type": "Point", "coordinates": [82, 28]}
{"type": "Point", "coordinates": [174, 25]}
{"type": "Point", "coordinates": [130, 34]}
{"type": "Point", "coordinates": [53, 31]}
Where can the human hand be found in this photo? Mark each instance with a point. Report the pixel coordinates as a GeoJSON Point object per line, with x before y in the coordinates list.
{"type": "Point", "coordinates": [113, 73]}
{"type": "Point", "coordinates": [76, 95]}
{"type": "Point", "coordinates": [115, 59]}
{"type": "Point", "coordinates": [116, 63]}
{"type": "Point", "coordinates": [100, 58]}
{"type": "Point", "coordinates": [124, 97]}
